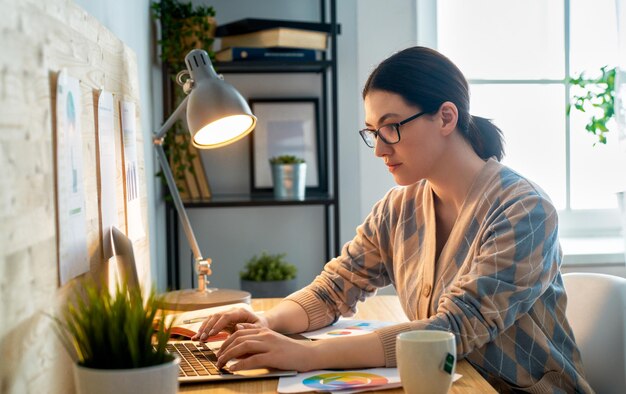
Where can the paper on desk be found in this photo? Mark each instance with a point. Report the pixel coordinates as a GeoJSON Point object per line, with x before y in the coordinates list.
{"type": "Point", "coordinates": [343, 382]}
{"type": "Point", "coordinates": [354, 380]}
{"type": "Point", "coordinates": [347, 327]}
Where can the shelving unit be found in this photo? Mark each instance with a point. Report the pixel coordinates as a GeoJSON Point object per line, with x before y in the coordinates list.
{"type": "Point", "coordinates": [327, 70]}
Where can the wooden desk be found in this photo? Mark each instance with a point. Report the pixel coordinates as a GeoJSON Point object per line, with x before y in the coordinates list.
{"type": "Point", "coordinates": [376, 308]}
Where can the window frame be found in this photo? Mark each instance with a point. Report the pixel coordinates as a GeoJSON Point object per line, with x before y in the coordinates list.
{"type": "Point", "coordinates": [572, 222]}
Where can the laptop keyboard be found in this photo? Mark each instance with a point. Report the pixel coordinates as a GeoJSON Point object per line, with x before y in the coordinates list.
{"type": "Point", "coordinates": [196, 359]}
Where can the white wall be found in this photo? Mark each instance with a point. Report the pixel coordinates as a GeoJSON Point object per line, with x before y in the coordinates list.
{"type": "Point", "coordinates": [130, 22]}
{"type": "Point", "coordinates": [381, 30]}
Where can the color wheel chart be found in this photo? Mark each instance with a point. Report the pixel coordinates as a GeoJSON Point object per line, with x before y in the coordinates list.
{"type": "Point", "coordinates": [367, 326]}
{"type": "Point", "coordinates": [345, 327]}
{"type": "Point", "coordinates": [344, 380]}
{"type": "Point", "coordinates": [347, 381]}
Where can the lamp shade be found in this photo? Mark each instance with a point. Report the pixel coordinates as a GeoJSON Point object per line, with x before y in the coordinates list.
{"type": "Point", "coordinates": [217, 114]}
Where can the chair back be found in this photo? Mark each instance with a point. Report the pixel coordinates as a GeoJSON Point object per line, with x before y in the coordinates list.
{"type": "Point", "coordinates": [596, 310]}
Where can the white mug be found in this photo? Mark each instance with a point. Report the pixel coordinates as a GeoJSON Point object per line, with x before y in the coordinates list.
{"type": "Point", "coordinates": [426, 361]}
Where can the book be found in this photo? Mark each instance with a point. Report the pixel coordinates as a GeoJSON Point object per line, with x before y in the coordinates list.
{"type": "Point", "coordinates": [278, 37]}
{"type": "Point", "coordinates": [192, 189]}
{"type": "Point", "coordinates": [250, 53]}
{"type": "Point", "coordinates": [199, 174]}
{"type": "Point", "coordinates": [187, 324]}
{"type": "Point", "coordinates": [183, 190]}
{"type": "Point", "coordinates": [251, 25]}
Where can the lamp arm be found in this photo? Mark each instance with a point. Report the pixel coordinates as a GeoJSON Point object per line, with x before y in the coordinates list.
{"type": "Point", "coordinates": [176, 115]}
{"type": "Point", "coordinates": [203, 267]}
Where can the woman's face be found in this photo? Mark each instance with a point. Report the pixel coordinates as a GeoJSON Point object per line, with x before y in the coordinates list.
{"type": "Point", "coordinates": [414, 157]}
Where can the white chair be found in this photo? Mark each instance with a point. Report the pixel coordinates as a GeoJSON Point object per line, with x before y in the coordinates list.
{"type": "Point", "coordinates": [596, 310]}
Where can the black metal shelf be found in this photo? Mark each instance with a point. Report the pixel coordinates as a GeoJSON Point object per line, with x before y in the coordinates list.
{"type": "Point", "coordinates": [326, 68]}
{"type": "Point", "coordinates": [257, 200]}
{"type": "Point", "coordinates": [269, 66]}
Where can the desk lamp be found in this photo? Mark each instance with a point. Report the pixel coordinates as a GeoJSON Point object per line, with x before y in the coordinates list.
{"type": "Point", "coordinates": [217, 115]}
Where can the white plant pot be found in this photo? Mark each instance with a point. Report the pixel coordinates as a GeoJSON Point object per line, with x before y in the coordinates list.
{"type": "Point", "coordinates": [159, 379]}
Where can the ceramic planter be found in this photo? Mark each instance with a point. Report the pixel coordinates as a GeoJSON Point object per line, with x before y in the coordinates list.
{"type": "Point", "coordinates": [269, 289]}
{"type": "Point", "coordinates": [158, 379]}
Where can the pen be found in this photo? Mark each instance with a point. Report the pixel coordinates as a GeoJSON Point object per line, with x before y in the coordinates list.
{"type": "Point", "coordinates": [194, 320]}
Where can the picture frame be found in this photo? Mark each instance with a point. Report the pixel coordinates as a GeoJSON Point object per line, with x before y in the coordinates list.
{"type": "Point", "coordinates": [287, 126]}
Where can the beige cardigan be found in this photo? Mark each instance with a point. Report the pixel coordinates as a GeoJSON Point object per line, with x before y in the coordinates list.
{"type": "Point", "coordinates": [496, 284]}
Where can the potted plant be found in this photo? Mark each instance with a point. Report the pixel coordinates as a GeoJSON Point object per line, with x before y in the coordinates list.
{"type": "Point", "coordinates": [269, 276]}
{"type": "Point", "coordinates": [183, 27]}
{"type": "Point", "coordinates": [118, 342]}
{"type": "Point", "coordinates": [288, 176]}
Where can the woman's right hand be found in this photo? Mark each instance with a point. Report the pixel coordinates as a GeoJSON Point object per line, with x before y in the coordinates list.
{"type": "Point", "coordinates": [227, 321]}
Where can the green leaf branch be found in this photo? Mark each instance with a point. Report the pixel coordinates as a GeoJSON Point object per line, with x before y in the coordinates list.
{"type": "Point", "coordinates": [596, 93]}
{"type": "Point", "coordinates": [286, 159]}
{"type": "Point", "coordinates": [183, 28]}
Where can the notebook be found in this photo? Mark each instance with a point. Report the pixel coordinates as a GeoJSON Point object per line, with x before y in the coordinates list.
{"type": "Point", "coordinates": [197, 360]}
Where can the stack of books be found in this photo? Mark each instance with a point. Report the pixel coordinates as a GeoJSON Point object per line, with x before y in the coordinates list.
{"type": "Point", "coordinates": [269, 39]}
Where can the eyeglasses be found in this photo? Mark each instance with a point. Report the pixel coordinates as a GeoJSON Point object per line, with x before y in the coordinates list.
{"type": "Point", "coordinates": [389, 133]}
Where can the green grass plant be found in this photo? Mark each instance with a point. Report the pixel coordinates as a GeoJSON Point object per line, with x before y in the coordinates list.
{"type": "Point", "coordinates": [114, 331]}
{"type": "Point", "coordinates": [286, 159]}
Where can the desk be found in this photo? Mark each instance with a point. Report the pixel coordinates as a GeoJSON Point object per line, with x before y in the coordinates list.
{"type": "Point", "coordinates": [376, 308]}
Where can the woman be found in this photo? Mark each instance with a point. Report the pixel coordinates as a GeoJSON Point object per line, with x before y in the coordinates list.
{"type": "Point", "coordinates": [470, 246]}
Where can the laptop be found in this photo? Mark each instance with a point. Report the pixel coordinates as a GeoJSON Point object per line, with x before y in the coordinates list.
{"type": "Point", "coordinates": [198, 364]}
{"type": "Point", "coordinates": [197, 360]}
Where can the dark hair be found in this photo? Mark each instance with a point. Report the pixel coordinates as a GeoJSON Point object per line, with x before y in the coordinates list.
{"type": "Point", "coordinates": [425, 78]}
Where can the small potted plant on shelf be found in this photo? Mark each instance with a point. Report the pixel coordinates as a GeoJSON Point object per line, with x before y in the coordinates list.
{"type": "Point", "coordinates": [269, 276]}
{"type": "Point", "coordinates": [288, 177]}
{"type": "Point", "coordinates": [118, 341]}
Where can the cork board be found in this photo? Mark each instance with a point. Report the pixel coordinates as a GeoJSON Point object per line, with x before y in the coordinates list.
{"type": "Point", "coordinates": [39, 38]}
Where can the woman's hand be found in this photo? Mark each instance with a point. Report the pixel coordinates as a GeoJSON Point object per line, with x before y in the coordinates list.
{"type": "Point", "coordinates": [260, 347]}
{"type": "Point", "coordinates": [226, 321]}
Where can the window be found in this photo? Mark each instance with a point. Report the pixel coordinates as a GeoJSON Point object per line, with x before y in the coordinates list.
{"type": "Point", "coordinates": [516, 56]}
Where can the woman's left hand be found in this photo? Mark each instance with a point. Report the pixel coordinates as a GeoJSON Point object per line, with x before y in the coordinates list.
{"type": "Point", "coordinates": [260, 347]}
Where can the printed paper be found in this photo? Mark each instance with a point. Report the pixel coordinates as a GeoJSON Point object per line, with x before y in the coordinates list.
{"type": "Point", "coordinates": [347, 327]}
{"type": "Point", "coordinates": [344, 381]}
{"type": "Point", "coordinates": [73, 255]}
{"type": "Point", "coordinates": [108, 175]}
{"type": "Point", "coordinates": [133, 205]}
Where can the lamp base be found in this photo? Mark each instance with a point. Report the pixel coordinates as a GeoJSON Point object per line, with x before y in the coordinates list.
{"type": "Point", "coordinates": [192, 299]}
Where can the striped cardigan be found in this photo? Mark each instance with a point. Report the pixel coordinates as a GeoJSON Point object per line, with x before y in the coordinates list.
{"type": "Point", "coordinates": [496, 284]}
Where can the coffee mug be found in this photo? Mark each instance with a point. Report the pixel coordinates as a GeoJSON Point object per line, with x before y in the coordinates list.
{"type": "Point", "coordinates": [426, 361]}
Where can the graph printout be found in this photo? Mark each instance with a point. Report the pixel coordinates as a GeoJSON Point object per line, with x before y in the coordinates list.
{"type": "Point", "coordinates": [73, 255]}
{"type": "Point", "coordinates": [131, 171]}
{"type": "Point", "coordinates": [347, 327]}
{"type": "Point", "coordinates": [108, 175]}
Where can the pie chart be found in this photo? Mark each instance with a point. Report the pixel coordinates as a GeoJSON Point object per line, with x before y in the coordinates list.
{"type": "Point", "coordinates": [343, 380]}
